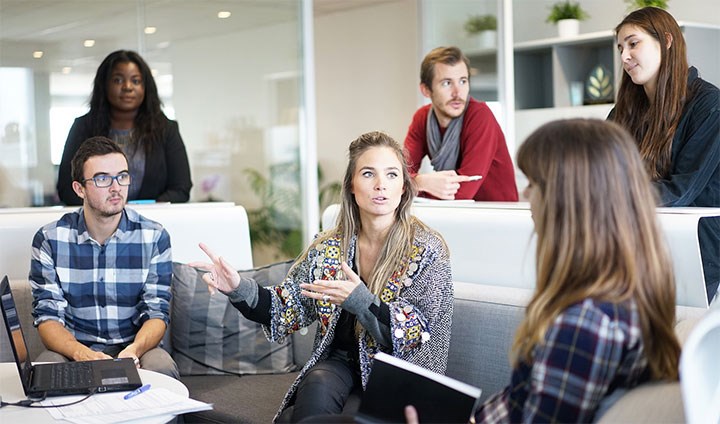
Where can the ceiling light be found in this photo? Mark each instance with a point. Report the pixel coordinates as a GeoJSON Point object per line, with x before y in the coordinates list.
{"type": "Point", "coordinates": [89, 43]}
{"type": "Point", "coordinates": [154, 72]}
{"type": "Point", "coordinates": [150, 30]}
{"type": "Point", "coordinates": [37, 54]}
{"type": "Point", "coordinates": [66, 70]}
{"type": "Point", "coordinates": [163, 45]}
{"type": "Point", "coordinates": [224, 14]}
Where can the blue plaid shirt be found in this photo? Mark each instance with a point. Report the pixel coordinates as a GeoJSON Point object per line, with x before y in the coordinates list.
{"type": "Point", "coordinates": [591, 349]}
{"type": "Point", "coordinates": [101, 293]}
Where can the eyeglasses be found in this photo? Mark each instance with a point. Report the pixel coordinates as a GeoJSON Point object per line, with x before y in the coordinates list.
{"type": "Point", "coordinates": [102, 181]}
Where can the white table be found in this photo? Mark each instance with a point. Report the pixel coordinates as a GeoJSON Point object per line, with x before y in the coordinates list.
{"type": "Point", "coordinates": [11, 391]}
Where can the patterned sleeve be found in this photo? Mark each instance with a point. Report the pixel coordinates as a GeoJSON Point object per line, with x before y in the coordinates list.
{"type": "Point", "coordinates": [421, 317]}
{"type": "Point", "coordinates": [289, 309]}
{"type": "Point", "coordinates": [574, 368]}
{"type": "Point", "coordinates": [156, 291]}
{"type": "Point", "coordinates": [48, 299]}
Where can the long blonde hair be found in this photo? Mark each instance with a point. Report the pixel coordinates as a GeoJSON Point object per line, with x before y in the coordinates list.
{"type": "Point", "coordinates": [597, 235]}
{"type": "Point", "coordinates": [401, 234]}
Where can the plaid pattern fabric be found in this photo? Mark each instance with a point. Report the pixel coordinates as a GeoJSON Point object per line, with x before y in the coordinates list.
{"type": "Point", "coordinates": [101, 294]}
{"type": "Point", "coordinates": [591, 349]}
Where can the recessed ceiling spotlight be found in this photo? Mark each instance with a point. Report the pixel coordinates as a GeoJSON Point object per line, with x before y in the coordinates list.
{"type": "Point", "coordinates": [163, 45]}
{"type": "Point", "coordinates": [66, 70]}
{"type": "Point", "coordinates": [150, 30]}
{"type": "Point", "coordinates": [224, 14]}
{"type": "Point", "coordinates": [37, 54]}
{"type": "Point", "coordinates": [89, 43]}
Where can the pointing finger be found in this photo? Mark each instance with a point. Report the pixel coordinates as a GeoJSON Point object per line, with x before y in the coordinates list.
{"type": "Point", "coordinates": [213, 257]}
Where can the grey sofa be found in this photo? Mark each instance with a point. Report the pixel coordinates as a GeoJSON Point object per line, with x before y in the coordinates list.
{"type": "Point", "coordinates": [489, 304]}
{"type": "Point", "coordinates": [484, 322]}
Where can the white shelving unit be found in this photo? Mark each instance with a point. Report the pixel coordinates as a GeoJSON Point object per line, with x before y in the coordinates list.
{"type": "Point", "coordinates": [545, 68]}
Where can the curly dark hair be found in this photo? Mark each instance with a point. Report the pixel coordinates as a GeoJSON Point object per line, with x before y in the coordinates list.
{"type": "Point", "coordinates": [150, 121]}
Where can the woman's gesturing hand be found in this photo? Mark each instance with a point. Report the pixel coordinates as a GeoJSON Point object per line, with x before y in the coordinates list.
{"type": "Point", "coordinates": [220, 275]}
{"type": "Point", "coordinates": [333, 291]}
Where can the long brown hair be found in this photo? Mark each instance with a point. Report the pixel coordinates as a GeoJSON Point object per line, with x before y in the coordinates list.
{"type": "Point", "coordinates": [400, 237]}
{"type": "Point", "coordinates": [597, 235]}
{"type": "Point", "coordinates": [653, 122]}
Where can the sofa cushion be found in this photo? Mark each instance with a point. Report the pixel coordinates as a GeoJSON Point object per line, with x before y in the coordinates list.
{"type": "Point", "coordinates": [246, 399]}
{"type": "Point", "coordinates": [654, 402]}
{"type": "Point", "coordinates": [210, 336]}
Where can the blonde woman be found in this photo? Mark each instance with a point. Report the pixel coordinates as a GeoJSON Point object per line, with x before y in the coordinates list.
{"type": "Point", "coordinates": [379, 281]}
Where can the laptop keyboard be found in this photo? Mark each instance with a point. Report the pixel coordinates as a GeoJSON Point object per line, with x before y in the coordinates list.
{"type": "Point", "coordinates": [72, 374]}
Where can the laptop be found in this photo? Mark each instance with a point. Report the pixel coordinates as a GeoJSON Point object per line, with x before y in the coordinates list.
{"type": "Point", "coordinates": [65, 378]}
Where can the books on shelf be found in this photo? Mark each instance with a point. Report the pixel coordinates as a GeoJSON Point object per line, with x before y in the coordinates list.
{"type": "Point", "coordinates": [394, 383]}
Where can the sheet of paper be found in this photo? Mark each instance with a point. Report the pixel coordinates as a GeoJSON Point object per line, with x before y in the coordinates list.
{"type": "Point", "coordinates": [112, 408]}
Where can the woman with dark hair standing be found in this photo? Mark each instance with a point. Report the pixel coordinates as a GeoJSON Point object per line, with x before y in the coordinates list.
{"type": "Point", "coordinates": [125, 107]}
{"type": "Point", "coordinates": [674, 116]}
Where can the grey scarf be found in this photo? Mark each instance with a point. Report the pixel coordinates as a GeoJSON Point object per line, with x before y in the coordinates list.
{"type": "Point", "coordinates": [445, 150]}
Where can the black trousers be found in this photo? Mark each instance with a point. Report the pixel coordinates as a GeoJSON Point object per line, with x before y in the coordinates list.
{"type": "Point", "coordinates": [326, 387]}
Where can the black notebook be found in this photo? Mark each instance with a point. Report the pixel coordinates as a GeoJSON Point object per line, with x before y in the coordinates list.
{"type": "Point", "coordinates": [394, 383]}
{"type": "Point", "coordinates": [67, 378]}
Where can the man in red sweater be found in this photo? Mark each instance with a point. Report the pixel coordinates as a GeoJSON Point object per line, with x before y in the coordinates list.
{"type": "Point", "coordinates": [459, 134]}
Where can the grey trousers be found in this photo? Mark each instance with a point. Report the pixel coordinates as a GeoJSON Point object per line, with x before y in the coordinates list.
{"type": "Point", "coordinates": [157, 359]}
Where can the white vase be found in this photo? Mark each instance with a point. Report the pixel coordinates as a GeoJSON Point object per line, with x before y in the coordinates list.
{"type": "Point", "coordinates": [486, 39]}
{"type": "Point", "coordinates": [568, 27]}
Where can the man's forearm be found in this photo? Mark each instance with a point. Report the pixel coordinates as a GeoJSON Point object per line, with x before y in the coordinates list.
{"type": "Point", "coordinates": [58, 339]}
{"type": "Point", "coordinates": [149, 336]}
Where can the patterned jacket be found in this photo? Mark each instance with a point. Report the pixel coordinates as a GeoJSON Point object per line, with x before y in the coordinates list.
{"type": "Point", "coordinates": [420, 302]}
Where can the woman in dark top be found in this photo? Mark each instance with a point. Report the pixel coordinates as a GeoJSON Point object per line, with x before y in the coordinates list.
{"type": "Point", "coordinates": [125, 107]}
{"type": "Point", "coordinates": [674, 116]}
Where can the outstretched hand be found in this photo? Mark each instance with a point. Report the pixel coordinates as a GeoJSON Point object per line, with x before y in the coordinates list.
{"type": "Point", "coordinates": [219, 275]}
{"type": "Point", "coordinates": [333, 291]}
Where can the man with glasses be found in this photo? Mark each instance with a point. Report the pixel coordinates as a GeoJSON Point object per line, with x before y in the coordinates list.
{"type": "Point", "coordinates": [101, 275]}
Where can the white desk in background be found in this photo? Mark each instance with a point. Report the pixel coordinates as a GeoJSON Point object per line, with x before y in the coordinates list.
{"type": "Point", "coordinates": [11, 391]}
{"type": "Point", "coordinates": [492, 243]}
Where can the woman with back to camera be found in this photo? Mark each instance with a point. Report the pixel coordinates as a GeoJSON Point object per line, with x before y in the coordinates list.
{"type": "Point", "coordinates": [126, 108]}
{"type": "Point", "coordinates": [379, 281]}
{"type": "Point", "coordinates": [601, 317]}
{"type": "Point", "coordinates": [675, 117]}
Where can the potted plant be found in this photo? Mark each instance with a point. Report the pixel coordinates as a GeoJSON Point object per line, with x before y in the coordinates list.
{"type": "Point", "coordinates": [484, 29]}
{"type": "Point", "coordinates": [639, 4]}
{"type": "Point", "coordinates": [567, 15]}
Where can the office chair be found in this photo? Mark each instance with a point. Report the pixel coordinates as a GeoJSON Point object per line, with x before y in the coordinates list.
{"type": "Point", "coordinates": [700, 371]}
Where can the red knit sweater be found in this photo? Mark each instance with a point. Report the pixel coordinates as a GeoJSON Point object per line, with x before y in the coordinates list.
{"type": "Point", "coordinates": [482, 152]}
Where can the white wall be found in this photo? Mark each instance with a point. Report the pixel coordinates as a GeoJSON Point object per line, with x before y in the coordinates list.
{"type": "Point", "coordinates": [367, 76]}
{"type": "Point", "coordinates": [224, 103]}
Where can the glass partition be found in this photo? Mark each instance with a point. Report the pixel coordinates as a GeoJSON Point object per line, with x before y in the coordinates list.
{"type": "Point", "coordinates": [473, 26]}
{"type": "Point", "coordinates": [229, 72]}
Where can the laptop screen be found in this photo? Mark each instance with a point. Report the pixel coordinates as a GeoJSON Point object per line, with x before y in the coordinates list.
{"type": "Point", "coordinates": [14, 332]}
